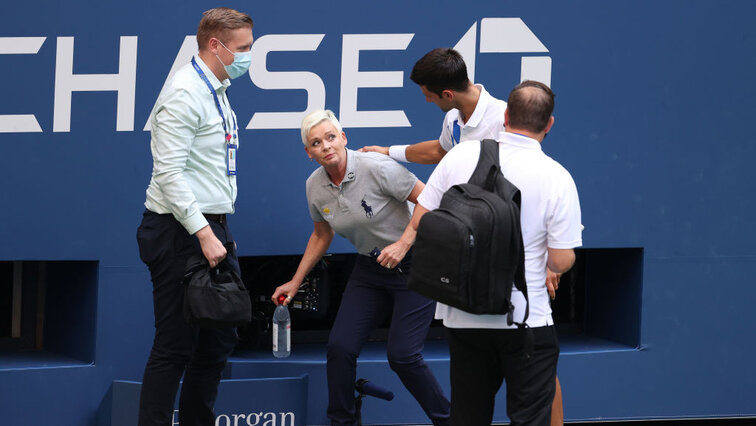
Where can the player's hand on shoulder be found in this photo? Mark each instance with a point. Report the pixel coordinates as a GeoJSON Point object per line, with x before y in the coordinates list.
{"type": "Point", "coordinates": [375, 148]}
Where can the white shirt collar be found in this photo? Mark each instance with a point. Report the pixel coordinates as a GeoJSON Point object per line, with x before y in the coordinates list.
{"type": "Point", "coordinates": [217, 84]}
{"type": "Point", "coordinates": [483, 100]}
{"type": "Point", "coordinates": [519, 140]}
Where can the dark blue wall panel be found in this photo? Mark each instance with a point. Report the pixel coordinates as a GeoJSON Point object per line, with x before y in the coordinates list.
{"type": "Point", "coordinates": [653, 116]}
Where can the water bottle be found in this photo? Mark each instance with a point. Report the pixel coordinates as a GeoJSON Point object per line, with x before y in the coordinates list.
{"type": "Point", "coordinates": [281, 330]}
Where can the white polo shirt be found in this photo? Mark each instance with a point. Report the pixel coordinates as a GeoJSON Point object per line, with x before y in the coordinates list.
{"type": "Point", "coordinates": [485, 122]}
{"type": "Point", "coordinates": [549, 216]}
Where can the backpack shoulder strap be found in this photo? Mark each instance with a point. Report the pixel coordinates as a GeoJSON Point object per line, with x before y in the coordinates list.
{"type": "Point", "coordinates": [485, 176]}
{"type": "Point", "coordinates": [521, 285]}
{"type": "Point", "coordinates": [488, 164]}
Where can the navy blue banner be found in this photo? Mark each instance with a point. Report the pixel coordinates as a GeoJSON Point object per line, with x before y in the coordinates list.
{"type": "Point", "coordinates": [654, 103]}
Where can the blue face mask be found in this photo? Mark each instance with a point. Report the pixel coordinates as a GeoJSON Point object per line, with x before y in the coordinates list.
{"type": "Point", "coordinates": [242, 61]}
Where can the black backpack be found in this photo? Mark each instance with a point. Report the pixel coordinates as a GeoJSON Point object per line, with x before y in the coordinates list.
{"type": "Point", "coordinates": [469, 251]}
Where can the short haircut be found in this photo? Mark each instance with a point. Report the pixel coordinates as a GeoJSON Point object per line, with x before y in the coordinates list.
{"type": "Point", "coordinates": [530, 105]}
{"type": "Point", "coordinates": [217, 22]}
{"type": "Point", "coordinates": [441, 69]}
{"type": "Point", "coordinates": [316, 117]}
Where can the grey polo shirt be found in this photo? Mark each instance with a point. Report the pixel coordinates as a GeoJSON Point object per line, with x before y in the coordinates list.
{"type": "Point", "coordinates": [369, 208]}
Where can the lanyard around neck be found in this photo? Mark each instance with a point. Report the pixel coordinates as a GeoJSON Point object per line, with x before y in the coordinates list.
{"type": "Point", "coordinates": [217, 102]}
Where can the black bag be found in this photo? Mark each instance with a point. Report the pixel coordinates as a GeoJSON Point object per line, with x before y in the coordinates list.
{"type": "Point", "coordinates": [469, 251]}
{"type": "Point", "coordinates": [215, 297]}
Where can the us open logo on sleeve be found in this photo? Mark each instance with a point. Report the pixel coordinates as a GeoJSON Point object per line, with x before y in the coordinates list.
{"type": "Point", "coordinates": [327, 213]}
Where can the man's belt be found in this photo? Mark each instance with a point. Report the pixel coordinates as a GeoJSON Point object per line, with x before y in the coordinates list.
{"type": "Point", "coordinates": [220, 218]}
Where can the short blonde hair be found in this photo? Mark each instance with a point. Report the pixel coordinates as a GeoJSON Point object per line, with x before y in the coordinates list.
{"type": "Point", "coordinates": [216, 22]}
{"type": "Point", "coordinates": [316, 117]}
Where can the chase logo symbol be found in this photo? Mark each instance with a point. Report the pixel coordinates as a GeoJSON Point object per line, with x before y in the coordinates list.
{"type": "Point", "coordinates": [506, 35]}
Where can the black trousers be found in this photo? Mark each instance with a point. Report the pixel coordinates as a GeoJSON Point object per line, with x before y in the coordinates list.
{"type": "Point", "coordinates": [199, 354]}
{"type": "Point", "coordinates": [372, 293]}
{"type": "Point", "coordinates": [480, 359]}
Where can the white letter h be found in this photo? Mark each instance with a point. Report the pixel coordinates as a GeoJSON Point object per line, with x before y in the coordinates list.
{"type": "Point", "coordinates": [66, 82]}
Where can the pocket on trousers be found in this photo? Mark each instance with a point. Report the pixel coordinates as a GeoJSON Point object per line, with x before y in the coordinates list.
{"type": "Point", "coordinates": [546, 339]}
{"type": "Point", "coordinates": [151, 238]}
{"type": "Point", "coordinates": [143, 245]}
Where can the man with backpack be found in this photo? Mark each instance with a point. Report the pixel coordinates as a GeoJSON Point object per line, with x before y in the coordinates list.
{"type": "Point", "coordinates": [471, 114]}
{"type": "Point", "coordinates": [488, 349]}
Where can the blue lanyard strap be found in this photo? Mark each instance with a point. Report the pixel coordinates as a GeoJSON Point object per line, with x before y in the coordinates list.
{"type": "Point", "coordinates": [217, 102]}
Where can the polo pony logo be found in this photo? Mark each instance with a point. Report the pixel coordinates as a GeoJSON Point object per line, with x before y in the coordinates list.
{"type": "Point", "coordinates": [368, 209]}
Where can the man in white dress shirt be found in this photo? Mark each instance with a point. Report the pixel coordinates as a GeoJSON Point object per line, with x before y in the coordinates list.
{"type": "Point", "coordinates": [471, 114]}
{"type": "Point", "coordinates": [484, 350]}
{"type": "Point", "coordinates": [195, 138]}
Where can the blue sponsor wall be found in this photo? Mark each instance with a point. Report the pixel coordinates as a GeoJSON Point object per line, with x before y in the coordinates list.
{"type": "Point", "coordinates": [654, 106]}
